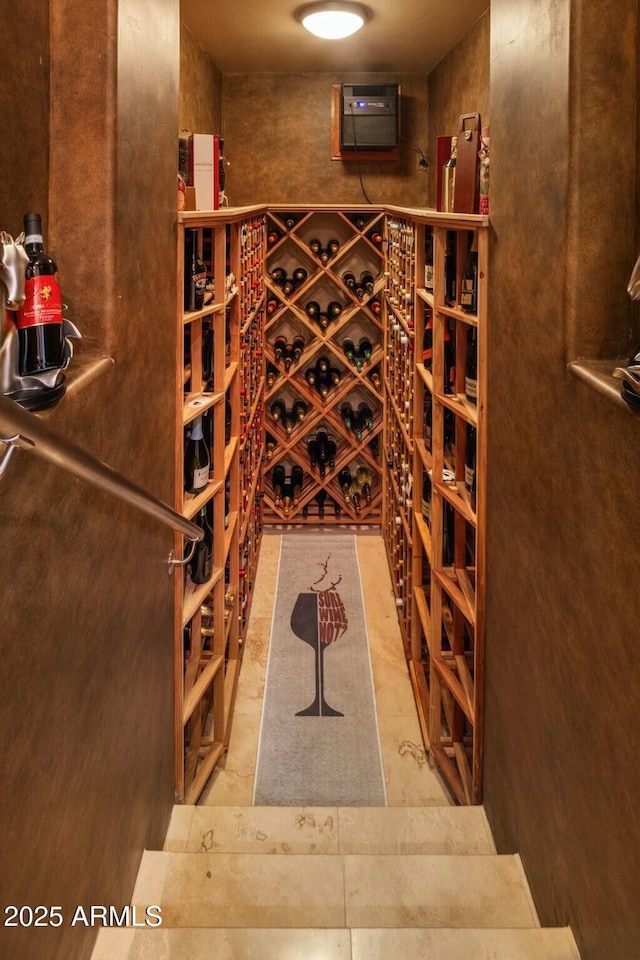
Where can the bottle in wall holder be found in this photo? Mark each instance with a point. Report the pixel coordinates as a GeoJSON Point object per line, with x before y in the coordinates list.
{"type": "Point", "coordinates": [39, 319]}
{"type": "Point", "coordinates": [196, 460]}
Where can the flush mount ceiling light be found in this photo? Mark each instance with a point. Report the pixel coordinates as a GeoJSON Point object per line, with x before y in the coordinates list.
{"type": "Point", "coordinates": [333, 21]}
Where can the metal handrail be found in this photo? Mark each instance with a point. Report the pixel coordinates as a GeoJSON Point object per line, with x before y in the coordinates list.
{"type": "Point", "coordinates": [20, 429]}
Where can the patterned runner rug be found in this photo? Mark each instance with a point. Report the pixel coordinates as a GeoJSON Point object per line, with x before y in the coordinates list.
{"type": "Point", "coordinates": [319, 743]}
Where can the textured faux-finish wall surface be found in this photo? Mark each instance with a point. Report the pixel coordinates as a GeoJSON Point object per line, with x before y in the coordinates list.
{"type": "Point", "coordinates": [459, 84]}
{"type": "Point", "coordinates": [200, 107]}
{"type": "Point", "coordinates": [86, 663]}
{"type": "Point", "coordinates": [562, 777]}
{"type": "Point", "coordinates": [277, 131]}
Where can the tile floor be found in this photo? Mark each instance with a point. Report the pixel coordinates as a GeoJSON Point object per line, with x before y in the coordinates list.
{"type": "Point", "coordinates": [409, 779]}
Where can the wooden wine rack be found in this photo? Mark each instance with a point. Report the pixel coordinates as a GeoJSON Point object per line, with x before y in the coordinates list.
{"type": "Point", "coordinates": [439, 592]}
{"type": "Point", "coordinates": [210, 618]}
{"type": "Point", "coordinates": [292, 229]}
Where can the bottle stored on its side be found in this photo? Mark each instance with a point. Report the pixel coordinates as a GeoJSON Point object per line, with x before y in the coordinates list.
{"type": "Point", "coordinates": [196, 460]}
{"type": "Point", "coordinates": [354, 494]}
{"type": "Point", "coordinates": [367, 281]}
{"type": "Point", "coordinates": [312, 450]}
{"type": "Point", "coordinates": [279, 348]}
{"type": "Point", "coordinates": [374, 376]}
{"type": "Point", "coordinates": [272, 374]}
{"type": "Point", "coordinates": [364, 480]}
{"type": "Point", "coordinates": [470, 466]}
{"type": "Point", "coordinates": [321, 497]}
{"type": "Point", "coordinates": [332, 449]}
{"type": "Point", "coordinates": [469, 291]}
{"type": "Point", "coordinates": [426, 500]}
{"type": "Point", "coordinates": [277, 481]}
{"type": "Point", "coordinates": [299, 276]}
{"type": "Point", "coordinates": [365, 348]}
{"type": "Point", "coordinates": [287, 496]}
{"type": "Point", "coordinates": [333, 246]}
{"type": "Point", "coordinates": [334, 309]}
{"type": "Point", "coordinates": [297, 479]}
{"type": "Point", "coordinates": [344, 479]}
{"type": "Point", "coordinates": [39, 319]}
{"type": "Point", "coordinates": [346, 412]}
{"type": "Point", "coordinates": [195, 273]}
{"type": "Point", "coordinates": [269, 447]}
{"type": "Point", "coordinates": [315, 246]}
{"type": "Point", "coordinates": [471, 372]}
{"type": "Point", "coordinates": [312, 309]}
{"type": "Point", "coordinates": [349, 279]}
{"type": "Point", "coordinates": [201, 565]}
{"type": "Point", "coordinates": [278, 410]}
{"type": "Point", "coordinates": [299, 410]}
{"type": "Point", "coordinates": [297, 346]}
{"type": "Point", "coordinates": [366, 415]}
{"type": "Point", "coordinates": [349, 349]}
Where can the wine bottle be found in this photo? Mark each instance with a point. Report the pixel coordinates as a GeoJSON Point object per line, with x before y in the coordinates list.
{"type": "Point", "coordinates": [375, 306]}
{"type": "Point", "coordinates": [277, 481]}
{"type": "Point", "coordinates": [287, 496]}
{"type": "Point", "coordinates": [297, 479]}
{"type": "Point", "coordinates": [299, 410]}
{"type": "Point", "coordinates": [269, 447]}
{"type": "Point", "coordinates": [367, 281]}
{"type": "Point", "coordinates": [196, 459]}
{"type": "Point", "coordinates": [376, 237]}
{"type": "Point", "coordinates": [321, 497]}
{"type": "Point", "coordinates": [449, 361]}
{"type": "Point", "coordinates": [357, 425]}
{"type": "Point", "coordinates": [334, 309]}
{"type": "Point", "coordinates": [427, 416]}
{"type": "Point", "coordinates": [349, 349]}
{"type": "Point", "coordinates": [426, 500]}
{"type": "Point", "coordinates": [349, 279]}
{"type": "Point", "coordinates": [450, 270]}
{"type": "Point", "coordinates": [272, 305]}
{"type": "Point", "coordinates": [374, 376]}
{"type": "Point", "coordinates": [299, 276]}
{"type": "Point", "coordinates": [288, 357]}
{"type": "Point", "coordinates": [228, 421]}
{"type": "Point", "coordinates": [366, 415]}
{"type": "Point", "coordinates": [288, 286]}
{"type": "Point", "coordinates": [332, 449]}
{"type": "Point", "coordinates": [427, 340]}
{"type": "Point", "coordinates": [207, 359]}
{"type": "Point", "coordinates": [365, 348]}
{"type": "Point", "coordinates": [333, 246]}
{"type": "Point", "coordinates": [322, 365]}
{"type": "Point", "coordinates": [470, 466]}
{"type": "Point", "coordinates": [364, 480]}
{"type": "Point", "coordinates": [448, 534]}
{"type": "Point", "coordinates": [278, 410]}
{"type": "Point", "coordinates": [469, 291]}
{"type": "Point", "coordinates": [310, 376]}
{"type": "Point", "coordinates": [312, 309]}
{"type": "Point", "coordinates": [354, 495]}
{"type": "Point", "coordinates": [471, 372]}
{"type": "Point", "coordinates": [312, 450]}
{"type": "Point", "coordinates": [315, 246]}
{"type": "Point", "coordinates": [344, 479]}
{"type": "Point", "coordinates": [335, 376]}
{"type": "Point", "coordinates": [297, 345]}
{"type": "Point", "coordinates": [322, 383]}
{"type": "Point", "coordinates": [346, 412]}
{"type": "Point", "coordinates": [428, 260]}
{"type": "Point", "coordinates": [278, 275]}
{"type": "Point", "coordinates": [325, 256]}
{"type": "Point", "coordinates": [449, 179]}
{"type": "Point", "coordinates": [273, 236]}
{"type": "Point", "coordinates": [195, 273]}
{"type": "Point", "coordinates": [200, 565]}
{"type": "Point", "coordinates": [39, 319]}
{"type": "Point", "coordinates": [323, 320]}
{"type": "Point", "coordinates": [272, 375]}
{"type": "Point", "coordinates": [289, 421]}
{"type": "Point", "coordinates": [279, 348]}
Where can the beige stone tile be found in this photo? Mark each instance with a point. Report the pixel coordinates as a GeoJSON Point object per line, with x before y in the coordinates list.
{"type": "Point", "coordinates": [150, 881]}
{"type": "Point", "coordinates": [392, 684]}
{"type": "Point", "coordinates": [240, 945]}
{"type": "Point", "coordinates": [409, 778]}
{"type": "Point", "coordinates": [524, 944]}
{"type": "Point", "coordinates": [265, 583]}
{"type": "Point", "coordinates": [113, 943]}
{"type": "Point", "coordinates": [231, 784]}
{"type": "Point", "coordinates": [179, 827]}
{"type": "Point", "coordinates": [246, 890]}
{"type": "Point", "coordinates": [414, 830]}
{"type": "Point", "coordinates": [436, 891]}
{"type": "Point", "coordinates": [312, 830]}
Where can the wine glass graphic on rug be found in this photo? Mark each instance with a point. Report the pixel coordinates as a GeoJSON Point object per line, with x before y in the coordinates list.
{"type": "Point", "coordinates": [319, 619]}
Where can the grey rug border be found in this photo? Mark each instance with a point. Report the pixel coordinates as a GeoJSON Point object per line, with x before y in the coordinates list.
{"type": "Point", "coordinates": [266, 676]}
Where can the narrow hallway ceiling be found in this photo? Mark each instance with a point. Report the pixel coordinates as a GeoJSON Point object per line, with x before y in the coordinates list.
{"type": "Point", "coordinates": [263, 36]}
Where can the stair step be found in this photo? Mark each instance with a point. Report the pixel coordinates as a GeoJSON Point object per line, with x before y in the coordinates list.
{"type": "Point", "coordinates": [329, 830]}
{"type": "Point", "coordinates": [292, 890]}
{"type": "Point", "coordinates": [374, 944]}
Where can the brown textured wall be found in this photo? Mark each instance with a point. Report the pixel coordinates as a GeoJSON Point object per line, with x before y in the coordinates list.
{"type": "Point", "coordinates": [562, 665]}
{"type": "Point", "coordinates": [24, 107]}
{"type": "Point", "coordinates": [200, 107]}
{"type": "Point", "coordinates": [459, 84]}
{"type": "Point", "coordinates": [602, 248]}
{"type": "Point", "coordinates": [277, 131]}
{"type": "Point", "coordinates": [86, 663]}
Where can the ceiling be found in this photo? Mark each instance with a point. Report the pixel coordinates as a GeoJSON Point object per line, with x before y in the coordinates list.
{"type": "Point", "coordinates": [263, 36]}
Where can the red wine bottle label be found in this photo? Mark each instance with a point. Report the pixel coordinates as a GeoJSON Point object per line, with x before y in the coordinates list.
{"type": "Point", "coordinates": [42, 304]}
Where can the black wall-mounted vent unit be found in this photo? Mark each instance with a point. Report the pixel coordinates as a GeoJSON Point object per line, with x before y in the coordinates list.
{"type": "Point", "coordinates": [369, 116]}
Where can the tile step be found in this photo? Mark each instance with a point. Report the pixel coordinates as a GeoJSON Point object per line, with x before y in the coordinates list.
{"type": "Point", "coordinates": [329, 830]}
{"type": "Point", "coordinates": [341, 890]}
{"type": "Point", "coordinates": [374, 944]}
